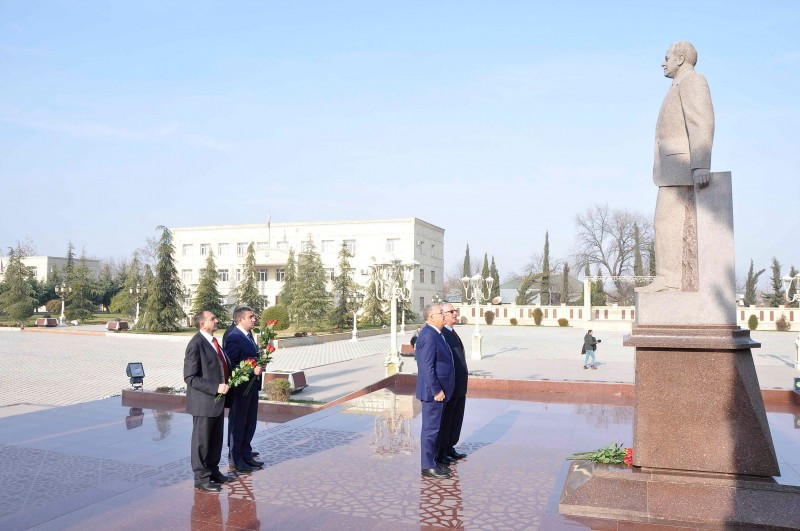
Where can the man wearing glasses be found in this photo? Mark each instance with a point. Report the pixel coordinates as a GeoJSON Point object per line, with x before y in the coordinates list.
{"type": "Point", "coordinates": [435, 384]}
{"type": "Point", "coordinates": [453, 416]}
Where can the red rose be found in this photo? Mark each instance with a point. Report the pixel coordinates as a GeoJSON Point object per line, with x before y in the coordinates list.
{"type": "Point", "coordinates": [628, 456]}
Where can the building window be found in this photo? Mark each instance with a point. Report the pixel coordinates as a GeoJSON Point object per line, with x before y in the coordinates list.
{"type": "Point", "coordinates": [281, 275]}
{"type": "Point", "coordinates": [433, 251]}
{"type": "Point", "coordinates": [222, 275]}
{"type": "Point", "coordinates": [327, 246]}
{"type": "Point", "coordinates": [351, 247]}
{"type": "Point", "coordinates": [330, 272]}
{"type": "Point", "coordinates": [188, 249]}
{"type": "Point", "coordinates": [262, 275]}
{"type": "Point", "coordinates": [283, 246]}
{"type": "Point", "coordinates": [433, 277]}
{"type": "Point", "coordinates": [241, 248]}
{"type": "Point", "coordinates": [421, 276]}
{"type": "Point", "coordinates": [306, 246]}
{"type": "Point", "coordinates": [238, 275]}
{"type": "Point", "coordinates": [204, 248]}
{"type": "Point", "coordinates": [262, 246]}
{"type": "Point", "coordinates": [421, 303]}
{"type": "Point", "coordinates": [392, 244]}
{"type": "Point", "coordinates": [222, 249]}
{"type": "Point", "coordinates": [34, 272]}
{"type": "Point", "coordinates": [186, 276]}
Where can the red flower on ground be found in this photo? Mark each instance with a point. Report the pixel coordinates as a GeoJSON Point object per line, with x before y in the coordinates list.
{"type": "Point", "coordinates": [628, 456]}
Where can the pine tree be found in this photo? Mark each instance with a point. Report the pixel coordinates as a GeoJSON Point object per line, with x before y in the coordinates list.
{"type": "Point", "coordinates": [17, 299]}
{"type": "Point", "coordinates": [343, 287]}
{"type": "Point", "coordinates": [496, 276]}
{"type": "Point", "coordinates": [69, 268]}
{"type": "Point", "coordinates": [651, 262]}
{"type": "Point", "coordinates": [163, 312]}
{"type": "Point", "coordinates": [565, 284]}
{"type": "Point", "coordinates": [287, 294]}
{"type": "Point", "coordinates": [545, 288]}
{"type": "Point", "coordinates": [125, 302]}
{"type": "Point", "coordinates": [247, 292]}
{"type": "Point", "coordinates": [148, 285]}
{"type": "Point", "coordinates": [312, 302]}
{"type": "Point", "coordinates": [793, 288]}
{"type": "Point", "coordinates": [599, 296]}
{"type": "Point", "coordinates": [207, 296]}
{"type": "Point", "coordinates": [82, 292]}
{"type": "Point", "coordinates": [775, 298]}
{"type": "Point", "coordinates": [467, 272]}
{"type": "Point", "coordinates": [107, 287]}
{"type": "Point", "coordinates": [638, 268]}
{"type": "Point", "coordinates": [374, 312]}
{"type": "Point", "coordinates": [750, 285]}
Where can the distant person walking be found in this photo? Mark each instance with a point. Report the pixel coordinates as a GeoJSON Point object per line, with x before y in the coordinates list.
{"type": "Point", "coordinates": [589, 346]}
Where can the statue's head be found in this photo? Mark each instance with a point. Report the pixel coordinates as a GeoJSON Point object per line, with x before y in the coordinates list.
{"type": "Point", "coordinates": [680, 56]}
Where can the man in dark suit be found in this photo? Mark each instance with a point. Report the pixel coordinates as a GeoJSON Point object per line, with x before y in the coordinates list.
{"type": "Point", "coordinates": [240, 345]}
{"type": "Point", "coordinates": [206, 371]}
{"type": "Point", "coordinates": [435, 384]}
{"type": "Point", "coordinates": [453, 416]}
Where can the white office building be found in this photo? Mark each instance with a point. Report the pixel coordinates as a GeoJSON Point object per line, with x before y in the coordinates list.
{"type": "Point", "coordinates": [43, 266]}
{"type": "Point", "coordinates": [369, 241]}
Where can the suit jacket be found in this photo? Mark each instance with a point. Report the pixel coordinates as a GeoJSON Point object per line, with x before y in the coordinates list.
{"type": "Point", "coordinates": [435, 368]}
{"type": "Point", "coordinates": [684, 131]}
{"type": "Point", "coordinates": [239, 347]}
{"type": "Point", "coordinates": [202, 372]}
{"type": "Point", "coordinates": [459, 361]}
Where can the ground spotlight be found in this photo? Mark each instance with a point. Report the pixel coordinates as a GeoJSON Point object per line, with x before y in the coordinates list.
{"type": "Point", "coordinates": [135, 372]}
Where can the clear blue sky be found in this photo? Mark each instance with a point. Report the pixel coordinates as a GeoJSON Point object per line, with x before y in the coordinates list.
{"type": "Point", "coordinates": [494, 120]}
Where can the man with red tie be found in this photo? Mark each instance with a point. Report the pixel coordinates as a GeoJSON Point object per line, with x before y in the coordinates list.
{"type": "Point", "coordinates": [206, 371]}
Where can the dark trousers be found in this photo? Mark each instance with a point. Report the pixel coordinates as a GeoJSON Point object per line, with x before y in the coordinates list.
{"type": "Point", "coordinates": [459, 402]}
{"type": "Point", "coordinates": [242, 425]}
{"type": "Point", "coordinates": [206, 446]}
{"type": "Point", "coordinates": [446, 426]}
{"type": "Point", "coordinates": [428, 438]}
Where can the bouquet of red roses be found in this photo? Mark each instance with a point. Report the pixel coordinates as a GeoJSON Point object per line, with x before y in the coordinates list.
{"type": "Point", "coordinates": [240, 374]}
{"type": "Point", "coordinates": [265, 336]}
{"type": "Point", "coordinates": [613, 454]}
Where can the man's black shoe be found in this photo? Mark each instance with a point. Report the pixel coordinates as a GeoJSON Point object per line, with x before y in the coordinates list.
{"type": "Point", "coordinates": [442, 466]}
{"type": "Point", "coordinates": [242, 467]}
{"type": "Point", "coordinates": [447, 460]}
{"type": "Point", "coordinates": [219, 477]}
{"type": "Point", "coordinates": [208, 486]}
{"type": "Point", "coordinates": [254, 454]}
{"type": "Point", "coordinates": [437, 473]}
{"type": "Point", "coordinates": [253, 463]}
{"type": "Point", "coordinates": [452, 453]}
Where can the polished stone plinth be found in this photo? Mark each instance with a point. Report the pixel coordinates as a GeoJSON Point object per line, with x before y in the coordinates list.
{"type": "Point", "coordinates": [698, 403]}
{"type": "Point", "coordinates": [101, 465]}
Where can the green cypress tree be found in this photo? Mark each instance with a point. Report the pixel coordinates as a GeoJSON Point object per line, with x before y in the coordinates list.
{"type": "Point", "coordinates": [496, 276]}
{"type": "Point", "coordinates": [599, 297]}
{"type": "Point", "coordinates": [793, 288]}
{"type": "Point", "coordinates": [775, 298]}
{"type": "Point", "coordinates": [565, 284]}
{"type": "Point", "coordinates": [545, 288]}
{"type": "Point", "coordinates": [163, 312]}
{"type": "Point", "coordinates": [312, 302]}
{"type": "Point", "coordinates": [207, 296]}
{"type": "Point", "coordinates": [750, 285]}
{"type": "Point", "coordinates": [247, 291]}
{"type": "Point", "coordinates": [467, 272]}
{"type": "Point", "coordinates": [343, 287]}
{"type": "Point", "coordinates": [107, 287]}
{"type": "Point", "coordinates": [287, 294]}
{"type": "Point", "coordinates": [638, 268]}
{"type": "Point", "coordinates": [651, 262]}
{"type": "Point", "coordinates": [17, 299]}
{"type": "Point", "coordinates": [148, 285]}
{"type": "Point", "coordinates": [125, 302]}
{"type": "Point", "coordinates": [83, 291]}
{"type": "Point", "coordinates": [374, 312]}
{"type": "Point", "coordinates": [70, 266]}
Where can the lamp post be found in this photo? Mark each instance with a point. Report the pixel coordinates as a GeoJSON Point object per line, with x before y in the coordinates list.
{"type": "Point", "coordinates": [63, 290]}
{"type": "Point", "coordinates": [136, 292]}
{"type": "Point", "coordinates": [354, 302]}
{"type": "Point", "coordinates": [787, 283]}
{"type": "Point", "coordinates": [436, 299]}
{"type": "Point", "coordinates": [389, 286]}
{"type": "Point", "coordinates": [474, 289]}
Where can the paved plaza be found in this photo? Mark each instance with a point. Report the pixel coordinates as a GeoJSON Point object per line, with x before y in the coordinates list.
{"type": "Point", "coordinates": [52, 369]}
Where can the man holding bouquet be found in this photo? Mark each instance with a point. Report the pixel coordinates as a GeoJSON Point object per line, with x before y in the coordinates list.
{"type": "Point", "coordinates": [239, 346]}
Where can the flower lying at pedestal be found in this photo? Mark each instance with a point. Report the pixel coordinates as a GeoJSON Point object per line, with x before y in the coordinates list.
{"type": "Point", "coordinates": [613, 454]}
{"type": "Point", "coordinates": [240, 374]}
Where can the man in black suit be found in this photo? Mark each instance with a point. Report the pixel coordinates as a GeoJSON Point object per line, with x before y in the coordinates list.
{"type": "Point", "coordinates": [240, 345]}
{"type": "Point", "coordinates": [453, 416]}
{"type": "Point", "coordinates": [206, 371]}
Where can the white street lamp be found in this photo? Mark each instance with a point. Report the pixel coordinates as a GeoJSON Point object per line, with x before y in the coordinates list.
{"type": "Point", "coordinates": [136, 292]}
{"type": "Point", "coordinates": [393, 283]}
{"type": "Point", "coordinates": [63, 290]}
{"type": "Point", "coordinates": [787, 284]}
{"type": "Point", "coordinates": [354, 302]}
{"type": "Point", "coordinates": [474, 289]}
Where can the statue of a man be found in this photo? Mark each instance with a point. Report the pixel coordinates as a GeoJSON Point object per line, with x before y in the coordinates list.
{"type": "Point", "coordinates": [684, 135]}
